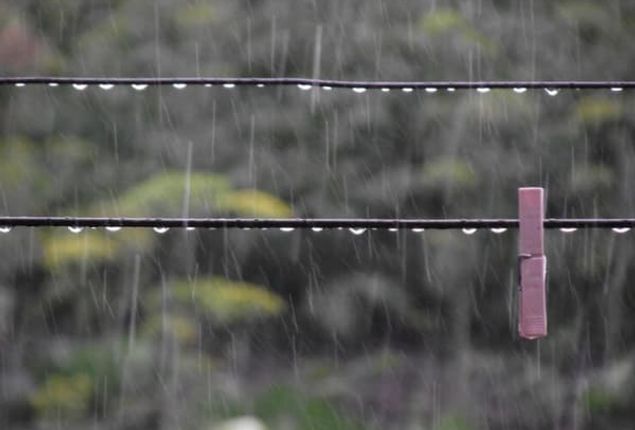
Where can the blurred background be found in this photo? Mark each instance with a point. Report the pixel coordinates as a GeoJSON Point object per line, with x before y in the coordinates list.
{"type": "Point", "coordinates": [252, 330]}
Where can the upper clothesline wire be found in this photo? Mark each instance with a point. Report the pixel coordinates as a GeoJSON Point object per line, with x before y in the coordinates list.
{"type": "Point", "coordinates": [312, 223]}
{"type": "Point", "coordinates": [306, 84]}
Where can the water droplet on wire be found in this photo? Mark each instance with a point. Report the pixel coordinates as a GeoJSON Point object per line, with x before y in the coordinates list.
{"type": "Point", "coordinates": [75, 229]}
{"type": "Point", "coordinates": [5, 229]}
{"type": "Point", "coordinates": [287, 229]}
{"type": "Point", "coordinates": [568, 229]}
{"type": "Point", "coordinates": [140, 87]}
{"type": "Point", "coordinates": [161, 230]}
{"type": "Point", "coordinates": [407, 89]}
{"type": "Point", "coordinates": [53, 84]}
{"type": "Point", "coordinates": [621, 230]}
{"type": "Point", "coordinates": [113, 228]}
{"type": "Point", "coordinates": [359, 90]}
{"type": "Point", "coordinates": [617, 89]}
{"type": "Point", "coordinates": [317, 229]}
{"type": "Point", "coordinates": [431, 90]}
{"type": "Point", "coordinates": [179, 85]}
{"type": "Point", "coordinates": [498, 230]}
{"type": "Point", "coordinates": [357, 231]}
{"type": "Point", "coordinates": [305, 87]}
{"type": "Point", "coordinates": [80, 87]}
{"type": "Point", "coordinates": [189, 228]}
{"type": "Point", "coordinates": [469, 231]}
{"type": "Point", "coordinates": [483, 90]}
{"type": "Point", "coordinates": [520, 90]}
{"type": "Point", "coordinates": [450, 89]}
{"type": "Point", "coordinates": [106, 87]}
{"type": "Point", "coordinates": [418, 230]}
{"type": "Point", "coordinates": [260, 85]}
{"type": "Point", "coordinates": [20, 84]}
{"type": "Point", "coordinates": [385, 90]}
{"type": "Point", "coordinates": [327, 88]}
{"type": "Point", "coordinates": [552, 91]}
{"type": "Point", "coordinates": [229, 86]}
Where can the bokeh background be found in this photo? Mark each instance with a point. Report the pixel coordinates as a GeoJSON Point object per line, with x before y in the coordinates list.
{"type": "Point", "coordinates": [252, 330]}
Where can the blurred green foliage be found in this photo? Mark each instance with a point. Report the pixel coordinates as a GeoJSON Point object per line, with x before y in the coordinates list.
{"type": "Point", "coordinates": [308, 330]}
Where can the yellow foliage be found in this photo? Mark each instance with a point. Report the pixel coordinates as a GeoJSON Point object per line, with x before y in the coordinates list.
{"type": "Point", "coordinates": [182, 328]}
{"type": "Point", "coordinates": [162, 195]}
{"type": "Point", "coordinates": [594, 177]}
{"type": "Point", "coordinates": [255, 203]}
{"type": "Point", "coordinates": [597, 110]}
{"type": "Point", "coordinates": [196, 14]}
{"type": "Point", "coordinates": [448, 171]}
{"type": "Point", "coordinates": [65, 395]}
{"type": "Point", "coordinates": [442, 21]}
{"type": "Point", "coordinates": [63, 248]}
{"type": "Point", "coordinates": [225, 300]}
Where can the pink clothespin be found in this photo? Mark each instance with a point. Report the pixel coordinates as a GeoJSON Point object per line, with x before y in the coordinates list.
{"type": "Point", "coordinates": [532, 319]}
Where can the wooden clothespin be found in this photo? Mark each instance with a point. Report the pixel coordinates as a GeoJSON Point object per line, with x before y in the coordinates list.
{"type": "Point", "coordinates": [532, 310]}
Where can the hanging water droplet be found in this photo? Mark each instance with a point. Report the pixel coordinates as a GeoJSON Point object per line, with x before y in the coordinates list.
{"type": "Point", "coordinates": [407, 90]}
{"type": "Point", "coordinates": [451, 89]}
{"type": "Point", "coordinates": [260, 85]}
{"type": "Point", "coordinates": [75, 229]}
{"type": "Point", "coordinates": [161, 230]}
{"type": "Point", "coordinates": [5, 229]}
{"type": "Point", "coordinates": [189, 228]}
{"type": "Point", "coordinates": [53, 84]}
{"type": "Point", "coordinates": [106, 87]}
{"type": "Point", "coordinates": [498, 230]}
{"type": "Point", "coordinates": [317, 229]}
{"type": "Point", "coordinates": [418, 230]}
{"type": "Point", "coordinates": [520, 90]}
{"type": "Point", "coordinates": [80, 87]}
{"type": "Point", "coordinates": [357, 231]}
{"type": "Point", "coordinates": [208, 85]}
{"type": "Point", "coordinates": [141, 87]}
{"type": "Point", "coordinates": [621, 230]}
{"type": "Point", "coordinates": [20, 84]}
{"type": "Point", "coordinates": [552, 91]}
{"type": "Point", "coordinates": [469, 230]}
{"type": "Point", "coordinates": [568, 229]}
{"type": "Point", "coordinates": [246, 228]}
{"type": "Point", "coordinates": [483, 90]}
{"type": "Point", "coordinates": [385, 90]}
{"type": "Point", "coordinates": [431, 90]}
{"type": "Point", "coordinates": [229, 85]}
{"type": "Point", "coordinates": [393, 229]}
{"type": "Point", "coordinates": [179, 85]}
{"type": "Point", "coordinates": [113, 228]}
{"type": "Point", "coordinates": [305, 87]}
{"type": "Point", "coordinates": [327, 88]}
{"type": "Point", "coordinates": [617, 89]}
{"type": "Point", "coordinates": [286, 229]}
{"type": "Point", "coordinates": [359, 90]}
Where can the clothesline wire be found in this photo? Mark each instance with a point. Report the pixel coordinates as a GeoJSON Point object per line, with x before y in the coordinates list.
{"type": "Point", "coordinates": [307, 223]}
{"type": "Point", "coordinates": [324, 83]}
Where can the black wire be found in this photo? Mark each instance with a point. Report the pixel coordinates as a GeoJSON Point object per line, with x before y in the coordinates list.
{"type": "Point", "coordinates": [459, 85]}
{"type": "Point", "coordinates": [298, 223]}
